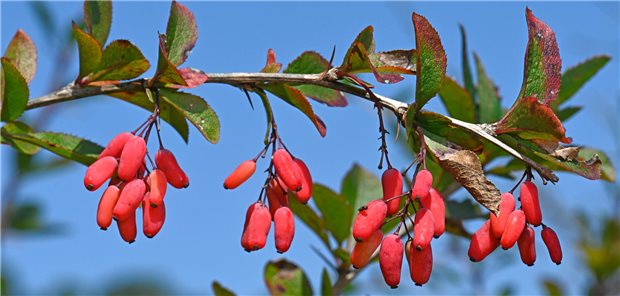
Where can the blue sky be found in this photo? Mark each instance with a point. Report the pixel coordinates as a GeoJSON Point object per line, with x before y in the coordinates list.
{"type": "Point", "coordinates": [200, 241]}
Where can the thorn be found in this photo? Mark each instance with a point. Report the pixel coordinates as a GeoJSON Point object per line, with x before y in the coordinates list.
{"type": "Point", "coordinates": [331, 59]}
{"type": "Point", "coordinates": [247, 94]}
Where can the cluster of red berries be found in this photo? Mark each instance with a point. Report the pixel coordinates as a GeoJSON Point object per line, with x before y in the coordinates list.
{"type": "Point", "coordinates": [515, 227]}
{"type": "Point", "coordinates": [429, 223]}
{"type": "Point", "coordinates": [132, 185]}
{"type": "Point", "coordinates": [291, 177]}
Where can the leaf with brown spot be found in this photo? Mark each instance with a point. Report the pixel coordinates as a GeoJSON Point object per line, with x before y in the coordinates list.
{"type": "Point", "coordinates": [283, 277]}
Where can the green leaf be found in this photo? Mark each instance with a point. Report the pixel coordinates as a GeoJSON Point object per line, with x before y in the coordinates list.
{"type": "Point", "coordinates": [430, 62]}
{"type": "Point", "coordinates": [197, 111]}
{"type": "Point", "coordinates": [467, 77]}
{"type": "Point", "coordinates": [463, 210]}
{"type": "Point", "coordinates": [220, 290]}
{"type": "Point", "coordinates": [310, 62]}
{"type": "Point", "coordinates": [489, 105]}
{"type": "Point", "coordinates": [360, 187]}
{"type": "Point", "coordinates": [441, 126]}
{"type": "Point", "coordinates": [296, 99]}
{"type": "Point", "coordinates": [98, 19]}
{"type": "Point", "coordinates": [309, 217]}
{"type": "Point", "coordinates": [89, 51]}
{"type": "Point", "coordinates": [567, 112]}
{"type": "Point", "coordinates": [543, 65]}
{"type": "Point", "coordinates": [67, 146]}
{"type": "Point", "coordinates": [14, 91]}
{"type": "Point", "coordinates": [326, 284]}
{"type": "Point", "coordinates": [22, 53]}
{"type": "Point", "coordinates": [336, 211]}
{"type": "Point", "coordinates": [166, 73]}
{"type": "Point", "coordinates": [181, 33]}
{"type": "Point", "coordinates": [351, 60]}
{"type": "Point", "coordinates": [17, 127]}
{"type": "Point", "coordinates": [121, 60]}
{"type": "Point", "coordinates": [459, 103]}
{"type": "Point", "coordinates": [283, 277]}
{"type": "Point", "coordinates": [575, 77]}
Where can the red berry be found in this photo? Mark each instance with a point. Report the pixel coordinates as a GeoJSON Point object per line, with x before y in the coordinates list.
{"type": "Point", "coordinates": [391, 259]}
{"type": "Point", "coordinates": [152, 217]}
{"type": "Point", "coordinates": [530, 203]}
{"type": "Point", "coordinates": [392, 183]}
{"type": "Point", "coordinates": [422, 185]}
{"type": "Point", "coordinates": [514, 228]}
{"type": "Point", "coordinates": [241, 174]}
{"type": "Point", "coordinates": [157, 187]}
{"type": "Point", "coordinates": [129, 200]}
{"type": "Point", "coordinates": [506, 206]}
{"type": "Point", "coordinates": [369, 219]}
{"type": "Point", "coordinates": [421, 265]}
{"type": "Point", "coordinates": [284, 229]}
{"type": "Point", "coordinates": [305, 193]}
{"type": "Point", "coordinates": [276, 197]}
{"type": "Point", "coordinates": [256, 229]}
{"type": "Point", "coordinates": [287, 170]}
{"type": "Point", "coordinates": [527, 246]}
{"type": "Point", "coordinates": [132, 158]}
{"type": "Point", "coordinates": [127, 228]}
{"type": "Point", "coordinates": [434, 202]}
{"type": "Point", "coordinates": [115, 146]}
{"type": "Point", "coordinates": [99, 172]}
{"type": "Point", "coordinates": [550, 238]}
{"type": "Point", "coordinates": [166, 161]}
{"type": "Point", "coordinates": [482, 243]}
{"type": "Point", "coordinates": [423, 229]}
{"type": "Point", "coordinates": [106, 206]}
{"type": "Point", "coordinates": [360, 256]}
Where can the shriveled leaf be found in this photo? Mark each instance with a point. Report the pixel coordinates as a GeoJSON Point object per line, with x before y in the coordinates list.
{"type": "Point", "coordinates": [430, 63]}
{"type": "Point", "coordinates": [193, 78]}
{"type": "Point", "coordinates": [14, 91]}
{"type": "Point", "coordinates": [441, 126]}
{"type": "Point", "coordinates": [17, 127]}
{"type": "Point", "coordinates": [283, 277]}
{"type": "Point", "coordinates": [468, 81]}
{"type": "Point", "coordinates": [67, 146]}
{"type": "Point", "coordinates": [271, 66]}
{"type": "Point", "coordinates": [608, 172]}
{"type": "Point", "coordinates": [336, 211]}
{"type": "Point", "coordinates": [89, 51]}
{"type": "Point", "coordinates": [326, 284]}
{"type": "Point", "coordinates": [567, 112]}
{"type": "Point", "coordinates": [310, 62]}
{"type": "Point", "coordinates": [296, 99]}
{"type": "Point", "coordinates": [166, 72]}
{"type": "Point", "coordinates": [463, 210]}
{"type": "Point", "coordinates": [398, 61]}
{"type": "Point", "coordinates": [22, 53]}
{"type": "Point", "coordinates": [489, 105]}
{"type": "Point", "coordinates": [309, 217]}
{"type": "Point", "coordinates": [181, 33]}
{"type": "Point", "coordinates": [197, 111]}
{"type": "Point", "coordinates": [220, 290]}
{"type": "Point", "coordinates": [575, 77]}
{"type": "Point", "coordinates": [121, 60]}
{"type": "Point", "coordinates": [543, 65]}
{"type": "Point", "coordinates": [98, 19]}
{"type": "Point", "coordinates": [360, 187]}
{"type": "Point", "coordinates": [457, 100]}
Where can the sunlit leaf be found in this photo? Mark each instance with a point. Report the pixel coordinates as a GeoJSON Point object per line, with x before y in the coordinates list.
{"type": "Point", "coordinates": [22, 53]}
{"type": "Point", "coordinates": [296, 99]}
{"type": "Point", "coordinates": [271, 66]}
{"type": "Point", "coordinates": [197, 111]}
{"type": "Point", "coordinates": [489, 105]}
{"type": "Point", "coordinates": [457, 100]}
{"type": "Point", "coordinates": [89, 51]}
{"type": "Point", "coordinates": [336, 211]}
{"type": "Point", "coordinates": [18, 128]}
{"type": "Point", "coordinates": [430, 63]}
{"type": "Point", "coordinates": [121, 60]}
{"type": "Point", "coordinates": [14, 91]}
{"type": "Point", "coordinates": [310, 62]}
{"type": "Point", "coordinates": [283, 277]}
{"type": "Point", "coordinates": [398, 61]}
{"type": "Point", "coordinates": [181, 33]}
{"type": "Point", "coordinates": [167, 72]}
{"type": "Point", "coordinates": [98, 19]}
{"type": "Point", "coordinates": [67, 146]}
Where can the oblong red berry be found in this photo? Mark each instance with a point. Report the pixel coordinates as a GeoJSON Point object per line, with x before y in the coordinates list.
{"type": "Point", "coordinates": [392, 184]}
{"type": "Point", "coordinates": [132, 158]}
{"type": "Point", "coordinates": [530, 203]}
{"type": "Point", "coordinates": [482, 243]}
{"type": "Point", "coordinates": [284, 229]}
{"type": "Point", "coordinates": [287, 170]}
{"type": "Point", "coordinates": [506, 206]}
{"type": "Point", "coordinates": [175, 176]}
{"type": "Point", "coordinates": [99, 172]}
{"type": "Point", "coordinates": [106, 206]}
{"type": "Point", "coordinates": [258, 222]}
{"type": "Point", "coordinates": [550, 238]}
{"type": "Point", "coordinates": [434, 202]}
{"type": "Point", "coordinates": [513, 229]}
{"type": "Point", "coordinates": [422, 185]}
{"type": "Point", "coordinates": [305, 193]}
{"type": "Point", "coordinates": [369, 219]}
{"type": "Point", "coordinates": [421, 265]}
{"type": "Point", "coordinates": [115, 146]}
{"type": "Point", "coordinates": [275, 197]}
{"type": "Point", "coordinates": [391, 259]}
{"type": "Point", "coordinates": [128, 228]}
{"type": "Point", "coordinates": [152, 217]}
{"type": "Point", "coordinates": [157, 187]}
{"type": "Point", "coordinates": [527, 246]}
{"type": "Point", "coordinates": [360, 256]}
{"type": "Point", "coordinates": [423, 229]}
{"type": "Point", "coordinates": [241, 174]}
{"type": "Point", "coordinates": [130, 198]}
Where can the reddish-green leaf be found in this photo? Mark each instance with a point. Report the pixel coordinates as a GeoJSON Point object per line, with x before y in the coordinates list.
{"type": "Point", "coordinates": [457, 100]}
{"type": "Point", "coordinates": [575, 77]}
{"type": "Point", "coordinates": [166, 73]}
{"type": "Point", "coordinates": [310, 62]}
{"type": "Point", "coordinates": [23, 54]}
{"type": "Point", "coordinates": [271, 66]}
{"type": "Point", "coordinates": [295, 98]}
{"type": "Point", "coordinates": [489, 105]}
{"type": "Point", "coordinates": [17, 127]}
{"type": "Point", "coordinates": [89, 50]}
{"type": "Point", "coordinates": [121, 60]}
{"type": "Point", "coordinates": [197, 111]}
{"type": "Point", "coordinates": [467, 77]}
{"type": "Point", "coordinates": [430, 62]}
{"type": "Point", "coordinates": [98, 19]}
{"type": "Point", "coordinates": [441, 126]}
{"type": "Point", "coordinates": [543, 66]}
{"type": "Point", "coordinates": [193, 77]}
{"type": "Point", "coordinates": [14, 91]}
{"type": "Point", "coordinates": [181, 33]}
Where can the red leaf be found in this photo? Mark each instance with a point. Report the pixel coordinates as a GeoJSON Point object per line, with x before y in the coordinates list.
{"type": "Point", "coordinates": [193, 77]}
{"type": "Point", "coordinates": [271, 66]}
